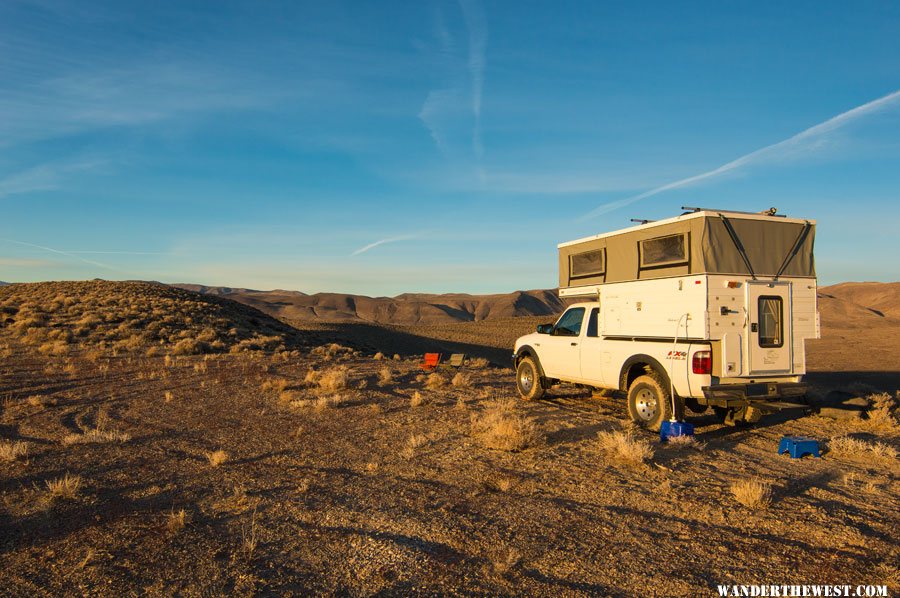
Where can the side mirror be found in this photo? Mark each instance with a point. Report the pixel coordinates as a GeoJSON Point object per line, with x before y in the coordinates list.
{"type": "Point", "coordinates": [544, 328]}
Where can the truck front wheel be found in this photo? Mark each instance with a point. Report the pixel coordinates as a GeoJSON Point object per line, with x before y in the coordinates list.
{"type": "Point", "coordinates": [649, 401]}
{"type": "Point", "coordinates": [528, 379]}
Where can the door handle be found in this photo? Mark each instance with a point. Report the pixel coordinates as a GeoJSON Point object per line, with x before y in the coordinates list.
{"type": "Point", "coordinates": [574, 344]}
{"type": "Point", "coordinates": [754, 327]}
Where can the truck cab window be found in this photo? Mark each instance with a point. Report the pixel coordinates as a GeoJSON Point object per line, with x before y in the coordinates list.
{"type": "Point", "coordinates": [593, 323]}
{"type": "Point", "coordinates": [570, 323]}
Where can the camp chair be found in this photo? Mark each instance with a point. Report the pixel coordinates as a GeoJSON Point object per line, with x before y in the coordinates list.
{"type": "Point", "coordinates": [456, 360]}
{"type": "Point", "coordinates": [432, 360]}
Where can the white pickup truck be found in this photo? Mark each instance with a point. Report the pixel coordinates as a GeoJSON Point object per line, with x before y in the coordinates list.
{"type": "Point", "coordinates": [711, 308]}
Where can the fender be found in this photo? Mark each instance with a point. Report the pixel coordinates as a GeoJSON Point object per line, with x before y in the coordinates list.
{"type": "Point", "coordinates": [640, 358]}
{"type": "Point", "coordinates": [529, 351]}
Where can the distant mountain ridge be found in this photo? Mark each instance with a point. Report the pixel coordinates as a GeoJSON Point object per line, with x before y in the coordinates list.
{"type": "Point", "coordinates": [842, 305]}
{"type": "Point", "coordinates": [405, 309]}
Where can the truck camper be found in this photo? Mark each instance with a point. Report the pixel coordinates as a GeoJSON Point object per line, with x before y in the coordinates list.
{"type": "Point", "coordinates": [707, 309]}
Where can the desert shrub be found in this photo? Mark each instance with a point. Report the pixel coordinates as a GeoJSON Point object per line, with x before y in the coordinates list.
{"type": "Point", "coordinates": [278, 385]}
{"type": "Point", "coordinates": [413, 443]}
{"type": "Point", "coordinates": [190, 346]}
{"type": "Point", "coordinates": [216, 458]}
{"type": "Point", "coordinates": [396, 357]}
{"type": "Point", "coordinates": [175, 521]}
{"type": "Point", "coordinates": [385, 376]}
{"type": "Point", "coordinates": [40, 401]}
{"type": "Point", "coordinates": [417, 399]}
{"type": "Point", "coordinates": [331, 351]}
{"type": "Point", "coordinates": [848, 446]}
{"type": "Point", "coordinates": [625, 447]}
{"type": "Point", "coordinates": [67, 486]}
{"type": "Point", "coordinates": [378, 356]}
{"type": "Point", "coordinates": [97, 435]}
{"type": "Point", "coordinates": [883, 413]}
{"type": "Point", "coordinates": [753, 494]}
{"type": "Point", "coordinates": [333, 379]}
{"type": "Point", "coordinates": [501, 427]}
{"type": "Point", "coordinates": [10, 450]}
{"type": "Point", "coordinates": [435, 380]}
{"type": "Point", "coordinates": [478, 363]}
{"type": "Point", "coordinates": [259, 343]}
{"type": "Point", "coordinates": [54, 348]}
{"type": "Point", "coordinates": [323, 403]}
{"type": "Point", "coordinates": [461, 380]}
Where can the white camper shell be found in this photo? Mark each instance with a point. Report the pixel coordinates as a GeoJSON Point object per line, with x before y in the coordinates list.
{"type": "Point", "coordinates": [735, 289]}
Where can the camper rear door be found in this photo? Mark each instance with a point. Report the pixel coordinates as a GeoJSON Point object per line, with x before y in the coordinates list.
{"type": "Point", "coordinates": [770, 338]}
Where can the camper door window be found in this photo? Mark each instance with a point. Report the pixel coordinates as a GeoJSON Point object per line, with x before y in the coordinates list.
{"type": "Point", "coordinates": [771, 322]}
{"type": "Point", "coordinates": [588, 263]}
{"type": "Point", "coordinates": [570, 323]}
{"type": "Point", "coordinates": [664, 251]}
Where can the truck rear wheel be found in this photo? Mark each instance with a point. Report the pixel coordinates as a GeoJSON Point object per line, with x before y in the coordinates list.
{"type": "Point", "coordinates": [528, 380]}
{"type": "Point", "coordinates": [650, 403]}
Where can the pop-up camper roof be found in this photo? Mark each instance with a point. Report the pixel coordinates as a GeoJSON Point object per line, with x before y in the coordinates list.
{"type": "Point", "coordinates": [700, 242]}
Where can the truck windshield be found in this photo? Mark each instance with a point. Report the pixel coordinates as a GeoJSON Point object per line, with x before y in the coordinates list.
{"type": "Point", "coordinates": [570, 323]}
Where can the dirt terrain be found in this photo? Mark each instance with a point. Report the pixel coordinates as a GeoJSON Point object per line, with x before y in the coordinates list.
{"type": "Point", "coordinates": [132, 461]}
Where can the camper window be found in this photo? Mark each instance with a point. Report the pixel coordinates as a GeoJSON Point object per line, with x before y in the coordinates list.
{"type": "Point", "coordinates": [771, 323]}
{"type": "Point", "coordinates": [664, 251]}
{"type": "Point", "coordinates": [588, 263]}
{"type": "Point", "coordinates": [570, 323]}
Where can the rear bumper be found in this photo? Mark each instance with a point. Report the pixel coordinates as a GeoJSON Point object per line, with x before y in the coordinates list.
{"type": "Point", "coordinates": [737, 395]}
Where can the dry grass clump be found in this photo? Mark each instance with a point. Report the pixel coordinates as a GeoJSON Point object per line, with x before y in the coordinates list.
{"type": "Point", "coordinates": [312, 376]}
{"type": "Point", "coordinates": [883, 414]}
{"type": "Point", "coordinates": [503, 561]}
{"type": "Point", "coordinates": [97, 435]}
{"type": "Point", "coordinates": [378, 356]}
{"type": "Point", "coordinates": [396, 357]}
{"type": "Point", "coordinates": [478, 363]}
{"type": "Point", "coordinates": [385, 376]}
{"type": "Point", "coordinates": [415, 442]}
{"type": "Point", "coordinates": [501, 427]}
{"type": "Point", "coordinates": [169, 396]}
{"type": "Point", "coordinates": [217, 458]}
{"type": "Point", "coordinates": [40, 401]}
{"type": "Point", "coordinates": [65, 487]}
{"type": "Point", "coordinates": [333, 380]}
{"type": "Point", "coordinates": [625, 447]}
{"type": "Point", "coordinates": [461, 380]}
{"type": "Point", "coordinates": [331, 351]}
{"type": "Point", "coordinates": [10, 450]}
{"type": "Point", "coordinates": [686, 441]}
{"type": "Point", "coordinates": [753, 494]}
{"type": "Point", "coordinates": [323, 403]}
{"type": "Point", "coordinates": [278, 385]}
{"type": "Point", "coordinates": [54, 348]}
{"type": "Point", "coordinates": [417, 399]}
{"type": "Point", "coordinates": [435, 380]}
{"type": "Point", "coordinates": [175, 521]}
{"type": "Point", "coordinates": [854, 447]}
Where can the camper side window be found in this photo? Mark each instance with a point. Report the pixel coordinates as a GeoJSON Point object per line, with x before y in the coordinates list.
{"type": "Point", "coordinates": [664, 251]}
{"type": "Point", "coordinates": [588, 263]}
{"type": "Point", "coordinates": [570, 323]}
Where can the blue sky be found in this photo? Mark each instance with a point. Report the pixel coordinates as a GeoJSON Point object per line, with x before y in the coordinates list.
{"type": "Point", "coordinates": [384, 147]}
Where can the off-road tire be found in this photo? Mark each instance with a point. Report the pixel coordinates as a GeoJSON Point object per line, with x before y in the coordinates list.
{"type": "Point", "coordinates": [650, 403]}
{"type": "Point", "coordinates": [528, 380]}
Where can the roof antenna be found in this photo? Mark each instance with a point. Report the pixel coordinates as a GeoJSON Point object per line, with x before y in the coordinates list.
{"type": "Point", "coordinates": [642, 221]}
{"type": "Point", "coordinates": [770, 212]}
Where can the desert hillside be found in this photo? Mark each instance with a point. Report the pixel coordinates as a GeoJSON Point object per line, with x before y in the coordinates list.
{"type": "Point", "coordinates": [406, 309]}
{"type": "Point", "coordinates": [134, 316]}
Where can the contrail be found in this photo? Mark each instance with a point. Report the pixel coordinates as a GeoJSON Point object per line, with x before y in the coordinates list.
{"type": "Point", "coordinates": [829, 125]}
{"type": "Point", "coordinates": [382, 242]}
{"type": "Point", "coordinates": [65, 253]}
{"type": "Point", "coordinates": [477, 25]}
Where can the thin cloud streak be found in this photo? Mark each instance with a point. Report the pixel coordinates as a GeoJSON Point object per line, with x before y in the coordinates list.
{"type": "Point", "coordinates": [65, 253]}
{"type": "Point", "coordinates": [791, 143]}
{"type": "Point", "coordinates": [477, 25]}
{"type": "Point", "coordinates": [382, 242]}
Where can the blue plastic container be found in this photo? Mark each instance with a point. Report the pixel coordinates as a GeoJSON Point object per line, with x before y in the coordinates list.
{"type": "Point", "coordinates": [670, 429]}
{"type": "Point", "coordinates": [798, 446]}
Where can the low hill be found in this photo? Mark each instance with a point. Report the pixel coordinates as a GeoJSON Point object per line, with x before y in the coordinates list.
{"type": "Point", "coordinates": [852, 304]}
{"type": "Point", "coordinates": [406, 309]}
{"type": "Point", "coordinates": [132, 316]}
